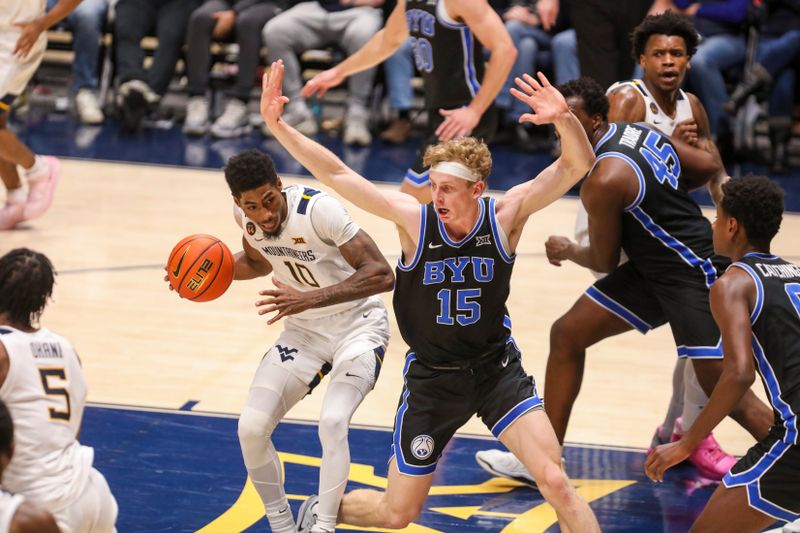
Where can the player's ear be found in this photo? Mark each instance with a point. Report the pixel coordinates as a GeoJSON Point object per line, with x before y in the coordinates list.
{"type": "Point", "coordinates": [479, 189]}
{"type": "Point", "coordinates": [279, 184]}
{"type": "Point", "coordinates": [641, 60]}
{"type": "Point", "coordinates": [237, 200]}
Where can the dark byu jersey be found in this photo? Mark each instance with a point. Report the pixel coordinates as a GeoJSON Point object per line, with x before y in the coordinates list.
{"type": "Point", "coordinates": [447, 54]}
{"type": "Point", "coordinates": [450, 298]}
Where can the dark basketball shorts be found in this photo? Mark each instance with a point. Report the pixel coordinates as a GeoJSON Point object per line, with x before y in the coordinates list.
{"type": "Point", "coordinates": [646, 305]}
{"type": "Point", "coordinates": [417, 175]}
{"type": "Point", "coordinates": [5, 103]}
{"type": "Point", "coordinates": [770, 471]}
{"type": "Point", "coordinates": [435, 403]}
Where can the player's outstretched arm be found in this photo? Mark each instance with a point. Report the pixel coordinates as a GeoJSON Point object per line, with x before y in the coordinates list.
{"type": "Point", "coordinates": [400, 208]}
{"type": "Point", "coordinates": [548, 106]}
{"type": "Point", "coordinates": [249, 264]}
{"type": "Point", "coordinates": [375, 51]}
{"type": "Point", "coordinates": [372, 275]}
{"type": "Point", "coordinates": [732, 299]}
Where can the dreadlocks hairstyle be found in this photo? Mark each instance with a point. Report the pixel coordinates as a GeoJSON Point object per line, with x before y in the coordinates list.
{"type": "Point", "coordinates": [26, 283]}
{"type": "Point", "coordinates": [6, 429]}
{"type": "Point", "coordinates": [588, 90]}
{"type": "Point", "coordinates": [249, 170]}
{"type": "Point", "coordinates": [668, 23]}
{"type": "Point", "coordinates": [756, 202]}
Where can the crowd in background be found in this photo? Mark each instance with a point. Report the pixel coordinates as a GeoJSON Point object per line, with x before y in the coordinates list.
{"type": "Point", "coordinates": [286, 28]}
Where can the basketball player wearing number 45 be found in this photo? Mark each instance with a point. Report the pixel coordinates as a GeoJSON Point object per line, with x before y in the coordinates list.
{"type": "Point", "coordinates": [42, 383]}
{"type": "Point", "coordinates": [450, 301]}
{"type": "Point", "coordinates": [326, 270]}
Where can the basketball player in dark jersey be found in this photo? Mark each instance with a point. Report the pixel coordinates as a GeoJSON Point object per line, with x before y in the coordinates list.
{"type": "Point", "coordinates": [452, 284]}
{"type": "Point", "coordinates": [757, 306]}
{"type": "Point", "coordinates": [637, 199]}
{"type": "Point", "coordinates": [448, 40]}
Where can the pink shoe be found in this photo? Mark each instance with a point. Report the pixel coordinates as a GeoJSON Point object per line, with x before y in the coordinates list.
{"type": "Point", "coordinates": [711, 461]}
{"type": "Point", "coordinates": [11, 215]}
{"type": "Point", "coordinates": [41, 187]}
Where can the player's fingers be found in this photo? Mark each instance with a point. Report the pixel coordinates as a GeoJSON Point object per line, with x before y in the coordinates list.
{"type": "Point", "coordinates": [269, 292]}
{"type": "Point", "coordinates": [523, 85]}
{"type": "Point", "coordinates": [532, 82]}
{"type": "Point", "coordinates": [543, 79]}
{"type": "Point", "coordinates": [529, 117]}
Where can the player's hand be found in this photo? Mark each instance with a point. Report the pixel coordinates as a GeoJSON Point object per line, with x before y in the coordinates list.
{"type": "Point", "coordinates": [166, 278]}
{"type": "Point", "coordinates": [548, 12]}
{"type": "Point", "coordinates": [557, 248]}
{"type": "Point", "coordinates": [546, 102]}
{"type": "Point", "coordinates": [686, 131]}
{"type": "Point", "coordinates": [272, 99]}
{"type": "Point", "coordinates": [285, 300]}
{"type": "Point", "coordinates": [29, 34]}
{"type": "Point", "coordinates": [225, 22]}
{"type": "Point", "coordinates": [458, 123]}
{"type": "Point", "coordinates": [323, 81]}
{"type": "Point", "coordinates": [663, 457]}
{"type": "Point", "coordinates": [521, 14]}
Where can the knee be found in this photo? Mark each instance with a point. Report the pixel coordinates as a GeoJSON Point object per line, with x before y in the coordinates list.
{"type": "Point", "coordinates": [397, 518]}
{"type": "Point", "coordinates": [200, 20]}
{"type": "Point", "coordinates": [332, 429]}
{"type": "Point", "coordinates": [277, 33]}
{"type": "Point", "coordinates": [554, 484]}
{"type": "Point", "coordinates": [254, 427]}
{"type": "Point", "coordinates": [563, 333]}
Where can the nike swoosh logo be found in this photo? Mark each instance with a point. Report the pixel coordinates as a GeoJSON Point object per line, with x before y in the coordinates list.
{"type": "Point", "coordinates": [433, 246]}
{"type": "Point", "coordinates": [348, 374]}
{"type": "Point", "coordinates": [505, 362]}
{"type": "Point", "coordinates": [365, 315]}
{"type": "Point", "coordinates": [180, 262]}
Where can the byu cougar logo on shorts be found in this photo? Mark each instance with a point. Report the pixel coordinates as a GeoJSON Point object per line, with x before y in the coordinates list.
{"type": "Point", "coordinates": [422, 446]}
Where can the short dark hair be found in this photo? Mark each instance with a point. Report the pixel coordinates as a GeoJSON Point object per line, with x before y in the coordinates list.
{"type": "Point", "coordinates": [26, 283]}
{"type": "Point", "coordinates": [667, 23]}
{"type": "Point", "coordinates": [594, 97]}
{"type": "Point", "coordinates": [756, 202]}
{"type": "Point", "coordinates": [6, 428]}
{"type": "Point", "coordinates": [250, 170]}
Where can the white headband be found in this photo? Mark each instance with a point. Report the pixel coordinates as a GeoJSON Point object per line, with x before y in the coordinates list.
{"type": "Point", "coordinates": [454, 168]}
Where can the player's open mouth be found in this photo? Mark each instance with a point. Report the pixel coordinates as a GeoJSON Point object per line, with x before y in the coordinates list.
{"type": "Point", "coordinates": [442, 211]}
{"type": "Point", "coordinates": [669, 76]}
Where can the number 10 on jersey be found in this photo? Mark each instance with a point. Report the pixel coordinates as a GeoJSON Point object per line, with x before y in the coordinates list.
{"type": "Point", "coordinates": [468, 311]}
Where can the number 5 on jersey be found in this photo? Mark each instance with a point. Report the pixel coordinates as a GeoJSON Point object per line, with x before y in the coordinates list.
{"type": "Point", "coordinates": [48, 374]}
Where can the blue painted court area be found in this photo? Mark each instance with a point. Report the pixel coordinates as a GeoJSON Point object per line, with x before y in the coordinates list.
{"type": "Point", "coordinates": [182, 471]}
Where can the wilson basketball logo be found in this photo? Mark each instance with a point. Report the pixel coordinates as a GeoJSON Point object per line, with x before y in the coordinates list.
{"type": "Point", "coordinates": [422, 446]}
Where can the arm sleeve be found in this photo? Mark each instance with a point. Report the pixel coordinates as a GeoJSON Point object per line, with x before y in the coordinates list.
{"type": "Point", "coordinates": [331, 221]}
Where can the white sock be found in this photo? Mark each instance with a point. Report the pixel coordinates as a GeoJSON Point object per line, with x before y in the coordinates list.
{"type": "Point", "coordinates": [38, 167]}
{"type": "Point", "coordinates": [694, 398]}
{"type": "Point", "coordinates": [16, 196]}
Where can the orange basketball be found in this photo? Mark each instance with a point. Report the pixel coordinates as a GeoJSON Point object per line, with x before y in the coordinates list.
{"type": "Point", "coordinates": [200, 268]}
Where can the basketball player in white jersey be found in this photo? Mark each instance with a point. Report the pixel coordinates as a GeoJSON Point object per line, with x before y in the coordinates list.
{"type": "Point", "coordinates": [23, 39]}
{"type": "Point", "coordinates": [663, 45]}
{"type": "Point", "coordinates": [42, 383]}
{"type": "Point", "coordinates": [17, 514]}
{"type": "Point", "coordinates": [327, 272]}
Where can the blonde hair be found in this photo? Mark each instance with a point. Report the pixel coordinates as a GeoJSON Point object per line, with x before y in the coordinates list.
{"type": "Point", "coordinates": [469, 151]}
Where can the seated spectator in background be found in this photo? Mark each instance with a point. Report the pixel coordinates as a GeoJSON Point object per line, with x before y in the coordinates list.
{"type": "Point", "coordinates": [346, 23]}
{"type": "Point", "coordinates": [139, 90]}
{"type": "Point", "coordinates": [565, 56]}
{"type": "Point", "coordinates": [778, 58]}
{"type": "Point", "coordinates": [399, 70]}
{"type": "Point", "coordinates": [723, 46]}
{"type": "Point", "coordinates": [86, 25]}
{"type": "Point", "coordinates": [16, 513]}
{"type": "Point", "coordinates": [530, 39]}
{"type": "Point", "coordinates": [222, 20]}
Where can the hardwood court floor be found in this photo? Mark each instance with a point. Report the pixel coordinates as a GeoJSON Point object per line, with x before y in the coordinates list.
{"type": "Point", "coordinates": [112, 226]}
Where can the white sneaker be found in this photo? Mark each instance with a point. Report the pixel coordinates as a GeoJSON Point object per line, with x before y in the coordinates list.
{"type": "Point", "coordinates": [234, 121]}
{"type": "Point", "coordinates": [504, 464]}
{"type": "Point", "coordinates": [300, 118]}
{"type": "Point", "coordinates": [88, 108]}
{"type": "Point", "coordinates": [41, 186]}
{"type": "Point", "coordinates": [356, 130]}
{"type": "Point", "coordinates": [307, 514]}
{"type": "Point", "coordinates": [196, 122]}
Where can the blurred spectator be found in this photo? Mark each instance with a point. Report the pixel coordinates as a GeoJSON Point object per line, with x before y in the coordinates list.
{"type": "Point", "coordinates": [723, 46]}
{"type": "Point", "coordinates": [346, 23]}
{"type": "Point", "coordinates": [399, 70]}
{"type": "Point", "coordinates": [139, 91]}
{"type": "Point", "coordinates": [777, 57]}
{"type": "Point", "coordinates": [86, 25]}
{"type": "Point", "coordinates": [565, 56]}
{"type": "Point", "coordinates": [222, 20]}
{"type": "Point", "coordinates": [602, 29]}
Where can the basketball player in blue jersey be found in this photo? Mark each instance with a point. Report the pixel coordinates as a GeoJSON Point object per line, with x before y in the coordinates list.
{"type": "Point", "coordinates": [17, 514]}
{"type": "Point", "coordinates": [450, 302]}
{"type": "Point", "coordinates": [325, 268]}
{"type": "Point", "coordinates": [448, 40]}
{"type": "Point", "coordinates": [637, 199]}
{"type": "Point", "coordinates": [757, 306]}
{"type": "Point", "coordinates": [663, 45]}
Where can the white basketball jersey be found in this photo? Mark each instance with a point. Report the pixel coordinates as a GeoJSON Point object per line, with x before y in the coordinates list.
{"type": "Point", "coordinates": [9, 503]}
{"type": "Point", "coordinates": [653, 113]}
{"type": "Point", "coordinates": [305, 255]}
{"type": "Point", "coordinates": [16, 11]}
{"type": "Point", "coordinates": [45, 391]}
